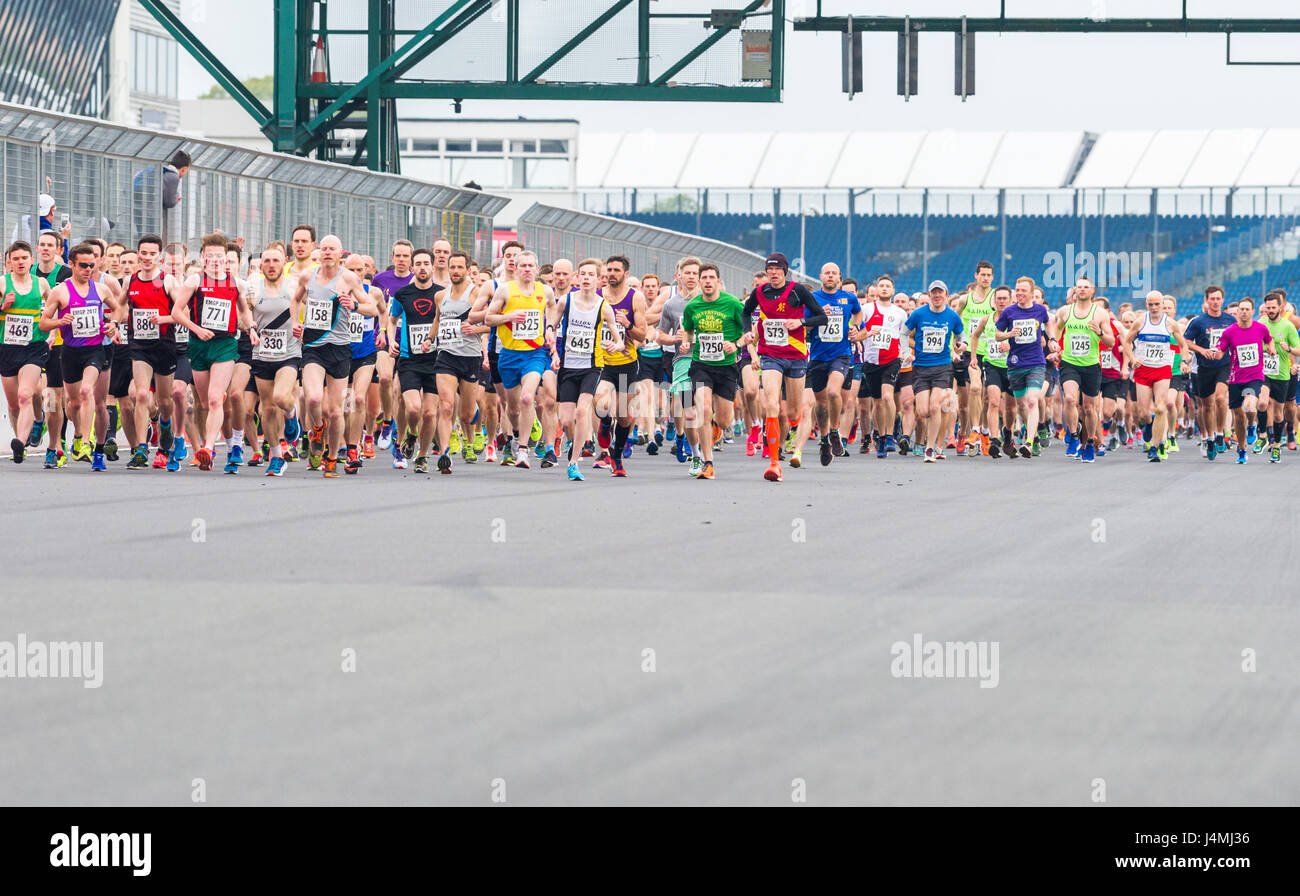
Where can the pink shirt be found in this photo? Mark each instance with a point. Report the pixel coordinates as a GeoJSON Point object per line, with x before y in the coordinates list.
{"type": "Point", "coordinates": [1244, 348]}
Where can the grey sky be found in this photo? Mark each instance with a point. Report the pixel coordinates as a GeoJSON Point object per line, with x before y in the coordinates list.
{"type": "Point", "coordinates": [1025, 82]}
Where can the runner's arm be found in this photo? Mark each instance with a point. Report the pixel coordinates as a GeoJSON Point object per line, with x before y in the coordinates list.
{"type": "Point", "coordinates": [50, 319]}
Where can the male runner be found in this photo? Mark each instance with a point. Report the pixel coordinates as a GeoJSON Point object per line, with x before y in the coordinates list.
{"type": "Point", "coordinates": [830, 360]}
{"type": "Point", "coordinates": [150, 298]}
{"type": "Point", "coordinates": [1212, 369]}
{"type": "Point", "coordinates": [1149, 350]}
{"type": "Point", "coordinates": [936, 331]}
{"type": "Point", "coordinates": [881, 338]}
{"type": "Point", "coordinates": [365, 339]}
{"type": "Point", "coordinates": [1280, 387]}
{"type": "Point", "coordinates": [1024, 326]}
{"type": "Point", "coordinates": [24, 347]}
{"type": "Point", "coordinates": [1084, 328]}
{"type": "Point", "coordinates": [412, 325]}
{"type": "Point", "coordinates": [518, 311]}
{"type": "Point", "coordinates": [277, 353]}
{"type": "Point", "coordinates": [974, 305]}
{"type": "Point", "coordinates": [1245, 344]}
{"type": "Point", "coordinates": [460, 357]}
{"type": "Point", "coordinates": [618, 376]}
{"type": "Point", "coordinates": [389, 282]}
{"type": "Point", "coordinates": [713, 323]}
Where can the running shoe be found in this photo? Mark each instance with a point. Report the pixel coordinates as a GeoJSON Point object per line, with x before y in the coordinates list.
{"type": "Point", "coordinates": [409, 444]}
{"type": "Point", "coordinates": [179, 451]}
{"type": "Point", "coordinates": [97, 462]}
{"type": "Point", "coordinates": [368, 450]}
{"type": "Point", "coordinates": [825, 452]}
{"type": "Point", "coordinates": [204, 458]}
{"type": "Point", "coordinates": [796, 459]}
{"type": "Point", "coordinates": [19, 448]}
{"type": "Point", "coordinates": [603, 462]}
{"type": "Point", "coordinates": [671, 434]}
{"type": "Point", "coordinates": [659, 436]}
{"type": "Point", "coordinates": [444, 464]}
{"type": "Point", "coordinates": [995, 447]}
{"type": "Point", "coordinates": [421, 465]}
{"type": "Point", "coordinates": [235, 455]}
{"type": "Point", "coordinates": [1025, 450]}
{"type": "Point", "coordinates": [652, 448]}
{"type": "Point", "coordinates": [751, 448]}
{"type": "Point", "coordinates": [696, 466]}
{"type": "Point", "coordinates": [929, 455]}
{"type": "Point", "coordinates": [837, 444]}
{"type": "Point", "coordinates": [548, 460]}
{"type": "Point", "coordinates": [537, 431]}
{"type": "Point", "coordinates": [521, 458]}
{"type": "Point", "coordinates": [939, 455]}
{"type": "Point", "coordinates": [1218, 442]}
{"type": "Point", "coordinates": [1071, 445]}
{"type": "Point", "coordinates": [1241, 455]}
{"type": "Point", "coordinates": [882, 449]}
{"type": "Point", "coordinates": [275, 467]}
{"type": "Point", "coordinates": [51, 459]}
{"type": "Point", "coordinates": [110, 449]}
{"type": "Point", "coordinates": [602, 435]}
{"type": "Point", "coordinates": [865, 446]}
{"type": "Point", "coordinates": [1275, 455]}
{"type": "Point", "coordinates": [540, 450]}
{"type": "Point", "coordinates": [385, 440]}
{"type": "Point", "coordinates": [292, 429]}
{"type": "Point", "coordinates": [575, 474]}
{"type": "Point", "coordinates": [903, 446]}
{"type": "Point", "coordinates": [139, 459]}
{"type": "Point", "coordinates": [38, 431]}
{"type": "Point", "coordinates": [1088, 454]}
{"type": "Point", "coordinates": [589, 448]}
{"type": "Point", "coordinates": [490, 453]}
{"type": "Point", "coordinates": [707, 472]}
{"type": "Point", "coordinates": [1211, 449]}
{"type": "Point", "coordinates": [773, 473]}
{"type": "Point", "coordinates": [468, 454]}
{"type": "Point", "coordinates": [80, 450]}
{"type": "Point", "coordinates": [230, 467]}
{"type": "Point", "coordinates": [918, 451]}
{"type": "Point", "coordinates": [617, 469]}
{"type": "Point", "coordinates": [1153, 456]}
{"type": "Point", "coordinates": [455, 441]}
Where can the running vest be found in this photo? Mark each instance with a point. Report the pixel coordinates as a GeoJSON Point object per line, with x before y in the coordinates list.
{"type": "Point", "coordinates": [147, 300]}
{"type": "Point", "coordinates": [19, 322]}
{"type": "Point", "coordinates": [650, 348]}
{"type": "Point", "coordinates": [213, 305]}
{"type": "Point", "coordinates": [276, 341]}
{"type": "Point", "coordinates": [1079, 346]}
{"type": "Point", "coordinates": [528, 335]}
{"type": "Point", "coordinates": [451, 314]}
{"type": "Point", "coordinates": [580, 349]}
{"type": "Point", "coordinates": [1109, 358]}
{"type": "Point", "coordinates": [324, 320]}
{"type": "Point", "coordinates": [628, 354]}
{"type": "Point", "coordinates": [1178, 355]}
{"type": "Point", "coordinates": [87, 327]}
{"type": "Point", "coordinates": [361, 330]}
{"type": "Point", "coordinates": [1151, 347]}
{"type": "Point", "coordinates": [994, 353]}
{"type": "Point", "coordinates": [774, 340]}
{"type": "Point", "coordinates": [971, 315]}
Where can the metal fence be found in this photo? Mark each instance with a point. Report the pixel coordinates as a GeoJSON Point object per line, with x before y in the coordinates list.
{"type": "Point", "coordinates": [106, 179]}
{"type": "Point", "coordinates": [564, 233]}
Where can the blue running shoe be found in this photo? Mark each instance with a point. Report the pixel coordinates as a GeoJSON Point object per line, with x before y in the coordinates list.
{"type": "Point", "coordinates": [51, 459]}
{"type": "Point", "coordinates": [1241, 455]}
{"type": "Point", "coordinates": [627, 449]}
{"type": "Point", "coordinates": [681, 452]}
{"type": "Point", "coordinates": [1088, 454]}
{"type": "Point", "coordinates": [235, 455]}
{"type": "Point", "coordinates": [275, 467]}
{"type": "Point", "coordinates": [34, 437]}
{"type": "Point", "coordinates": [1251, 435]}
{"type": "Point", "coordinates": [97, 462]}
{"type": "Point", "coordinates": [575, 475]}
{"type": "Point", "coordinates": [671, 434]}
{"type": "Point", "coordinates": [1071, 445]}
{"type": "Point", "coordinates": [178, 449]}
{"type": "Point", "coordinates": [231, 467]}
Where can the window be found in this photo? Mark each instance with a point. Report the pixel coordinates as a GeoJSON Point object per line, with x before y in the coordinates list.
{"type": "Point", "coordinates": [460, 146]}
{"type": "Point", "coordinates": [154, 61]}
{"type": "Point", "coordinates": [488, 173]}
{"type": "Point", "coordinates": [560, 146]}
{"type": "Point", "coordinates": [424, 145]}
{"type": "Point", "coordinates": [523, 146]}
{"type": "Point", "coordinates": [489, 146]}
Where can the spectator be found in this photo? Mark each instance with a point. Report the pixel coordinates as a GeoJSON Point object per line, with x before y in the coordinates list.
{"type": "Point", "coordinates": [46, 215]}
{"type": "Point", "coordinates": [144, 188]}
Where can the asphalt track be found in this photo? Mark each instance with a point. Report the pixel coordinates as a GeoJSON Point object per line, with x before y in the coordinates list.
{"type": "Point", "coordinates": [499, 620]}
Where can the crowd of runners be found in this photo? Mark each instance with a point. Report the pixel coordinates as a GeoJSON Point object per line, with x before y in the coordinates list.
{"type": "Point", "coordinates": [312, 355]}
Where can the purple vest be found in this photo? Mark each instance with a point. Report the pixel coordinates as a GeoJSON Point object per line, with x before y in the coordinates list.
{"type": "Point", "coordinates": [87, 317]}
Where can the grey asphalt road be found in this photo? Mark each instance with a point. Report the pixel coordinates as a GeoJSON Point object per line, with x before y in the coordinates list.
{"type": "Point", "coordinates": [1145, 619]}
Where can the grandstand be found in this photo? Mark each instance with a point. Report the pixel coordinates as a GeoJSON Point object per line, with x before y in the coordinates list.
{"type": "Point", "coordinates": [1137, 210]}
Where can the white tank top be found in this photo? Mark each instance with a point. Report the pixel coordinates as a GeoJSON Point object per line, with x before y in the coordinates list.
{"type": "Point", "coordinates": [1152, 346]}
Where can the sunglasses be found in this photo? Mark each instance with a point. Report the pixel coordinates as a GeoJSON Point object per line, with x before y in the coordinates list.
{"type": "Point", "coordinates": [85, 265]}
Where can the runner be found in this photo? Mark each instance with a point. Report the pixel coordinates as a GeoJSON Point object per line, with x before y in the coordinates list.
{"type": "Point", "coordinates": [830, 363]}
{"type": "Point", "coordinates": [974, 305]}
{"type": "Point", "coordinates": [323, 300]}
{"type": "Point", "coordinates": [713, 323]}
{"type": "Point", "coordinates": [577, 357]}
{"type": "Point", "coordinates": [24, 346]}
{"type": "Point", "coordinates": [650, 369]}
{"type": "Point", "coordinates": [1149, 350]}
{"type": "Point", "coordinates": [1212, 369]}
{"type": "Point", "coordinates": [150, 298]}
{"type": "Point", "coordinates": [365, 339]}
{"type": "Point", "coordinates": [618, 376]}
{"type": "Point", "coordinates": [998, 402]}
{"type": "Point", "coordinates": [1245, 344]}
{"type": "Point", "coordinates": [212, 307]}
{"type": "Point", "coordinates": [560, 281]}
{"type": "Point", "coordinates": [1177, 382]}
{"type": "Point", "coordinates": [460, 357]}
{"type": "Point", "coordinates": [303, 242]}
{"type": "Point", "coordinates": [84, 310]}
{"type": "Point", "coordinates": [242, 394]}
{"type": "Point", "coordinates": [389, 282]}
{"type": "Point", "coordinates": [412, 322]}
{"type": "Point", "coordinates": [518, 311]}
{"type": "Point", "coordinates": [51, 269]}
{"type": "Point", "coordinates": [1024, 325]}
{"type": "Point", "coordinates": [1084, 328]}
{"type": "Point", "coordinates": [1279, 386]}
{"type": "Point", "coordinates": [936, 331]}
{"type": "Point", "coordinates": [677, 360]}
{"type": "Point", "coordinates": [277, 353]}
{"type": "Point", "coordinates": [786, 310]}
{"type": "Point", "coordinates": [882, 340]}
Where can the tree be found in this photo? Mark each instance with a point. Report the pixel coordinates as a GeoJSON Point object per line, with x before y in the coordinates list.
{"type": "Point", "coordinates": [262, 88]}
{"type": "Point", "coordinates": [681, 204]}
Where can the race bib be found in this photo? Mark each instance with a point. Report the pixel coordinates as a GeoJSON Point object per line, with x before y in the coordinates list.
{"type": "Point", "coordinates": [448, 332]}
{"type": "Point", "coordinates": [417, 333]}
{"type": "Point", "coordinates": [1247, 355]}
{"type": "Point", "coordinates": [274, 342]}
{"type": "Point", "coordinates": [1155, 353]}
{"type": "Point", "coordinates": [18, 329]}
{"type": "Point", "coordinates": [216, 314]}
{"type": "Point", "coordinates": [619, 333]}
{"type": "Point", "coordinates": [319, 314]}
{"type": "Point", "coordinates": [1025, 330]}
{"type": "Point", "coordinates": [182, 335]}
{"type": "Point", "coordinates": [85, 322]}
{"type": "Point", "coordinates": [711, 347]}
{"type": "Point", "coordinates": [774, 333]}
{"type": "Point", "coordinates": [933, 340]}
{"type": "Point", "coordinates": [995, 351]}
{"type": "Point", "coordinates": [882, 339]}
{"type": "Point", "coordinates": [580, 340]}
{"type": "Point", "coordinates": [833, 329]}
{"type": "Point", "coordinates": [650, 345]}
{"type": "Point", "coordinates": [356, 327]}
{"type": "Point", "coordinates": [1079, 345]}
{"type": "Point", "coordinates": [144, 322]}
{"type": "Point", "coordinates": [530, 328]}
{"type": "Point", "coordinates": [1214, 338]}
{"type": "Point", "coordinates": [1110, 361]}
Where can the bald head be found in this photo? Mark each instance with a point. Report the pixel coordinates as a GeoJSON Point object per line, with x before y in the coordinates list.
{"type": "Point", "coordinates": [331, 250]}
{"type": "Point", "coordinates": [830, 276]}
{"type": "Point", "coordinates": [562, 276]}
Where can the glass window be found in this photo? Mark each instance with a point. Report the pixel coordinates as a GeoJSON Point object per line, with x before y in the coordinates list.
{"type": "Point", "coordinates": [424, 145]}
{"type": "Point", "coordinates": [460, 146]}
{"type": "Point", "coordinates": [523, 146]}
{"type": "Point", "coordinates": [489, 146]}
{"type": "Point", "coordinates": [488, 173]}
{"type": "Point", "coordinates": [172, 52]}
{"type": "Point", "coordinates": [561, 146]}
{"type": "Point", "coordinates": [545, 174]}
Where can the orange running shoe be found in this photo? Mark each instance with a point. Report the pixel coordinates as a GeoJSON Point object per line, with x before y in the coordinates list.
{"type": "Point", "coordinates": [330, 466]}
{"type": "Point", "coordinates": [773, 473]}
{"type": "Point", "coordinates": [203, 457]}
{"type": "Point", "coordinates": [707, 472]}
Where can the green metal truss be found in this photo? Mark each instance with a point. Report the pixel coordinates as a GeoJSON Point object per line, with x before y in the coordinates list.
{"type": "Point", "coordinates": [305, 113]}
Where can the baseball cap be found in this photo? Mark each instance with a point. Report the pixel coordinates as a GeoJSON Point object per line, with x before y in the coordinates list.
{"type": "Point", "coordinates": [776, 258]}
{"type": "Point", "coordinates": [937, 284]}
{"type": "Point", "coordinates": [45, 203]}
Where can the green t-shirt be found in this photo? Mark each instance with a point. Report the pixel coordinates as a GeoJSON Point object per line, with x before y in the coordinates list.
{"type": "Point", "coordinates": [711, 324]}
{"type": "Point", "coordinates": [1284, 336]}
{"type": "Point", "coordinates": [972, 312]}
